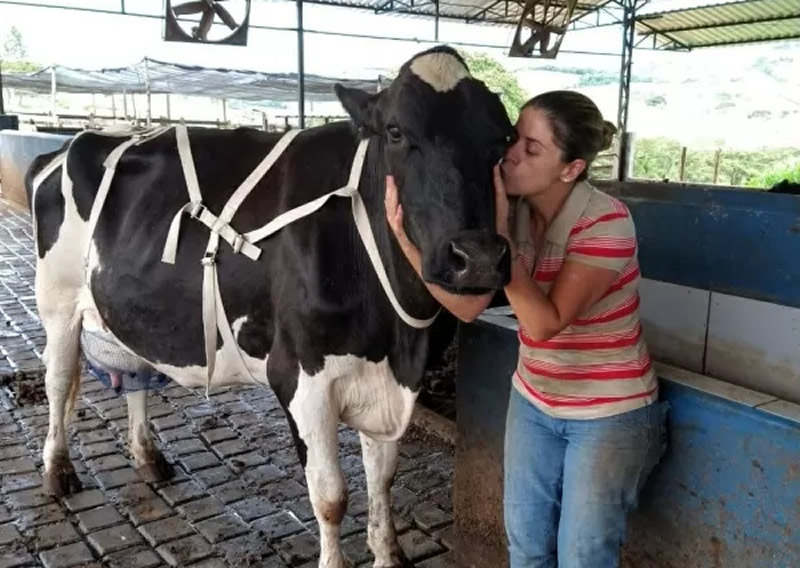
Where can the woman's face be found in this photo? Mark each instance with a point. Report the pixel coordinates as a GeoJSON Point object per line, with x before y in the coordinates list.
{"type": "Point", "coordinates": [534, 163]}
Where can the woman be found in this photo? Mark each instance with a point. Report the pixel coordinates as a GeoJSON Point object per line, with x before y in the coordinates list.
{"type": "Point", "coordinates": [584, 425]}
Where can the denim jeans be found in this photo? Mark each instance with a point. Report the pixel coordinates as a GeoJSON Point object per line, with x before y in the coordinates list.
{"type": "Point", "coordinates": [570, 484]}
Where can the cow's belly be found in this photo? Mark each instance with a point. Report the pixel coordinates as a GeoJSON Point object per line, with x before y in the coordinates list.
{"type": "Point", "coordinates": [233, 366]}
{"type": "Point", "coordinates": [365, 395]}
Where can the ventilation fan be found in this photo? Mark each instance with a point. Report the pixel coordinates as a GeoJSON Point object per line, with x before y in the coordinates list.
{"type": "Point", "coordinates": [540, 22]}
{"type": "Point", "coordinates": [194, 21]}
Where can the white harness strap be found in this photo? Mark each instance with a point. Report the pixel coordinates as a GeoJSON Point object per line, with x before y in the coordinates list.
{"type": "Point", "coordinates": [37, 181]}
{"type": "Point", "coordinates": [214, 316]}
{"type": "Point", "coordinates": [110, 165]}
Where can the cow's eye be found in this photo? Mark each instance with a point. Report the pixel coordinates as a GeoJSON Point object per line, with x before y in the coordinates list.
{"type": "Point", "coordinates": [394, 133]}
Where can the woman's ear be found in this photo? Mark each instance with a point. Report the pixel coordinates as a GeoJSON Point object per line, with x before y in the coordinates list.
{"type": "Point", "coordinates": [572, 170]}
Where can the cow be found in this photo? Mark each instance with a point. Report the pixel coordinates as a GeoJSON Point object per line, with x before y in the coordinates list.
{"type": "Point", "coordinates": [309, 315]}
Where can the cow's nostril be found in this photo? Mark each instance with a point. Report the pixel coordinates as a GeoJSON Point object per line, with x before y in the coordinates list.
{"type": "Point", "coordinates": [457, 257]}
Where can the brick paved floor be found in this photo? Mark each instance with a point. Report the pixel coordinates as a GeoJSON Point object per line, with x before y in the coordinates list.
{"type": "Point", "coordinates": [239, 496]}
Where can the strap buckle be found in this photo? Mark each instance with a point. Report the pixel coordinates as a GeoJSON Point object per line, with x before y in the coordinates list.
{"type": "Point", "coordinates": [197, 209]}
{"type": "Point", "coordinates": [209, 259]}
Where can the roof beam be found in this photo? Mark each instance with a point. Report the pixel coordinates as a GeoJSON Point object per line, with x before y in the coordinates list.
{"type": "Point", "coordinates": [649, 20]}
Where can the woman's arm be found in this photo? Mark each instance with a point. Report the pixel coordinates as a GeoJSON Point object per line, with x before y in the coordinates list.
{"type": "Point", "coordinates": [575, 289]}
{"type": "Point", "coordinates": [466, 308]}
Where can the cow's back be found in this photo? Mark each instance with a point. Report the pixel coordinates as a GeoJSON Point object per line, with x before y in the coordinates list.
{"type": "Point", "coordinates": [155, 308]}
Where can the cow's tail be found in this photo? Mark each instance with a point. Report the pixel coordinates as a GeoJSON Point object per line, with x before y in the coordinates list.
{"type": "Point", "coordinates": [72, 396]}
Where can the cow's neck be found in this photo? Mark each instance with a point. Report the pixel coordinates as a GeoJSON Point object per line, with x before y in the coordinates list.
{"type": "Point", "coordinates": [409, 288]}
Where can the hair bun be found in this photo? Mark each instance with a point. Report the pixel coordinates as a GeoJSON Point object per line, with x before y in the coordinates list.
{"type": "Point", "coordinates": [609, 130]}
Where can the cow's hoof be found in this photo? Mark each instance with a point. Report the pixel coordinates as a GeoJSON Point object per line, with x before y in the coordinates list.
{"type": "Point", "coordinates": [157, 470]}
{"type": "Point", "coordinates": [61, 481]}
{"type": "Point", "coordinates": [398, 559]}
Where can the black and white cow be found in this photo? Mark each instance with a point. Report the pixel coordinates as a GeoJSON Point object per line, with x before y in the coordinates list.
{"type": "Point", "coordinates": [309, 316]}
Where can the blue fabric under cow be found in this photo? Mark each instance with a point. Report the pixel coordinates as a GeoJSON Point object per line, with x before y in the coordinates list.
{"type": "Point", "coordinates": [131, 381]}
{"type": "Point", "coordinates": [105, 357]}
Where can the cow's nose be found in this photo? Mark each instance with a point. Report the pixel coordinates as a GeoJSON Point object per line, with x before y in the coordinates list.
{"type": "Point", "coordinates": [479, 260]}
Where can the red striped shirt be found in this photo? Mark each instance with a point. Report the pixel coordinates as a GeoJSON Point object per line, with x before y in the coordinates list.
{"type": "Point", "coordinates": [599, 364]}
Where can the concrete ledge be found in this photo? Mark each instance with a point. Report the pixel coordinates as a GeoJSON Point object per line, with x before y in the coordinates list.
{"type": "Point", "coordinates": [17, 152]}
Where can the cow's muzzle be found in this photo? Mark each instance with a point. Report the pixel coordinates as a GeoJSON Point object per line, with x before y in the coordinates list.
{"type": "Point", "coordinates": [472, 262]}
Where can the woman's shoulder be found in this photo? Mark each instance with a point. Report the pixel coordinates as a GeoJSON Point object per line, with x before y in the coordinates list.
{"type": "Point", "coordinates": [604, 213]}
{"type": "Point", "coordinates": [601, 202]}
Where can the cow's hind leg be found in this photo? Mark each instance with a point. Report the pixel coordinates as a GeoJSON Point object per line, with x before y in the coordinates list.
{"type": "Point", "coordinates": [62, 383]}
{"type": "Point", "coordinates": [316, 421]}
{"type": "Point", "coordinates": [380, 464]}
{"type": "Point", "coordinates": [148, 459]}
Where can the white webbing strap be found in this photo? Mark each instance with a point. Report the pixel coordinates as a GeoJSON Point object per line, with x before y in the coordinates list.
{"type": "Point", "coordinates": [37, 181]}
{"type": "Point", "coordinates": [110, 165]}
{"type": "Point", "coordinates": [261, 169]}
{"type": "Point", "coordinates": [368, 238]}
{"type": "Point", "coordinates": [362, 224]}
{"type": "Point", "coordinates": [195, 208]}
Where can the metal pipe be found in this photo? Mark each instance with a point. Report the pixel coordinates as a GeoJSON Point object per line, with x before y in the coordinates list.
{"type": "Point", "coordinates": [436, 21]}
{"type": "Point", "coordinates": [149, 116]}
{"type": "Point", "coordinates": [53, 87]}
{"type": "Point", "coordinates": [2, 104]}
{"type": "Point", "coordinates": [301, 70]}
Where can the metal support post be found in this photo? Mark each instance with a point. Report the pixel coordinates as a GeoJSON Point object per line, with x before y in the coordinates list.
{"type": "Point", "coordinates": [301, 79]}
{"type": "Point", "coordinates": [629, 13]}
{"type": "Point", "coordinates": [149, 116]}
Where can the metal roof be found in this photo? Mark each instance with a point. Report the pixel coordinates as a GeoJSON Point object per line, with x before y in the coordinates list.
{"type": "Point", "coordinates": [499, 12]}
{"type": "Point", "coordinates": [747, 21]}
{"type": "Point", "coordinates": [183, 80]}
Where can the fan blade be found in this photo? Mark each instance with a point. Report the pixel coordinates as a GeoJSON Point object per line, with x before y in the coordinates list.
{"type": "Point", "coordinates": [189, 8]}
{"type": "Point", "coordinates": [225, 16]}
{"type": "Point", "coordinates": [201, 32]}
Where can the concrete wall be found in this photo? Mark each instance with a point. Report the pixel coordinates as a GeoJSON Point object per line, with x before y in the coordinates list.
{"type": "Point", "coordinates": [17, 151]}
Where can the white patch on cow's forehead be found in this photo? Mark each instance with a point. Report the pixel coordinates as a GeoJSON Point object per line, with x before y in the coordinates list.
{"type": "Point", "coordinates": [440, 70]}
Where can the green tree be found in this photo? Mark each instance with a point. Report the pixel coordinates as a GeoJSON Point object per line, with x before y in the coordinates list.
{"type": "Point", "coordinates": [13, 46]}
{"type": "Point", "coordinates": [14, 52]}
{"type": "Point", "coordinates": [498, 79]}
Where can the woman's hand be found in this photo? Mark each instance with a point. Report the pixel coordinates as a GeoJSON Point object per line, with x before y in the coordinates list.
{"type": "Point", "coordinates": [394, 214]}
{"type": "Point", "coordinates": [465, 308]}
{"type": "Point", "coordinates": [500, 204]}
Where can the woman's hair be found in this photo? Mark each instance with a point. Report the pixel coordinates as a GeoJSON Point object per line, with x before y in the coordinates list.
{"type": "Point", "coordinates": [578, 127]}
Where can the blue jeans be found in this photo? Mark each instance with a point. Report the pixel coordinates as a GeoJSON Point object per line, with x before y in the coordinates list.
{"type": "Point", "coordinates": [570, 484]}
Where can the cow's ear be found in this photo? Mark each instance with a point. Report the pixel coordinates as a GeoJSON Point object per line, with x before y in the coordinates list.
{"type": "Point", "coordinates": [360, 105]}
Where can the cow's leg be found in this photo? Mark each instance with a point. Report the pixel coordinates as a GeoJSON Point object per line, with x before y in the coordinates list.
{"type": "Point", "coordinates": [316, 421]}
{"type": "Point", "coordinates": [62, 382]}
{"type": "Point", "coordinates": [148, 459]}
{"type": "Point", "coordinates": [380, 464]}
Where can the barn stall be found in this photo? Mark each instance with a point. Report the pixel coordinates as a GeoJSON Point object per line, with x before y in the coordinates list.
{"type": "Point", "coordinates": [722, 324]}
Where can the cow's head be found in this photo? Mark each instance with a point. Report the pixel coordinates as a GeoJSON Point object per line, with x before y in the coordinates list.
{"type": "Point", "coordinates": [443, 132]}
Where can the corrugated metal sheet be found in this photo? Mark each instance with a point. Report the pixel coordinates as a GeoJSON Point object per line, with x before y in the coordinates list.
{"type": "Point", "coordinates": [723, 24]}
{"type": "Point", "coordinates": [184, 80]}
{"type": "Point", "coordinates": [500, 12]}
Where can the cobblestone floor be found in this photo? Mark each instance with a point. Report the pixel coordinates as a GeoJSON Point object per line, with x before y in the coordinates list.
{"type": "Point", "coordinates": [239, 496]}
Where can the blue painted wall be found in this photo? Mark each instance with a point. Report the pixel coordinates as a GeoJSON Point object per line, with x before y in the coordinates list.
{"type": "Point", "coordinates": [740, 242]}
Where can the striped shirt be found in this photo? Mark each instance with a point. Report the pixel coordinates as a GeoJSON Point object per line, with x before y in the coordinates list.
{"type": "Point", "coordinates": [598, 365]}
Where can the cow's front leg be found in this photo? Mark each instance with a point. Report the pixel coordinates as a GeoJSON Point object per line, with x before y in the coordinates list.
{"type": "Point", "coordinates": [380, 464]}
{"type": "Point", "coordinates": [148, 459]}
{"type": "Point", "coordinates": [316, 423]}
